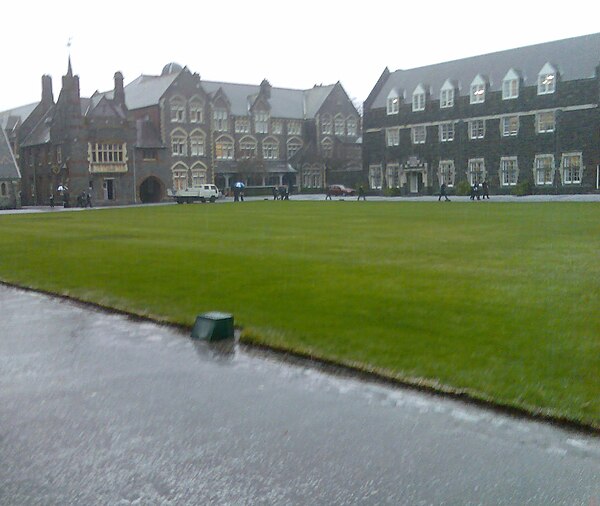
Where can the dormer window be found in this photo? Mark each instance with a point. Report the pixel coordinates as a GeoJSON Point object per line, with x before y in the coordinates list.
{"type": "Point", "coordinates": [478, 90]}
{"type": "Point", "coordinates": [393, 102]}
{"type": "Point", "coordinates": [510, 85]}
{"type": "Point", "coordinates": [261, 122]}
{"type": "Point", "coordinates": [418, 99]}
{"type": "Point", "coordinates": [547, 80]}
{"type": "Point", "coordinates": [447, 95]}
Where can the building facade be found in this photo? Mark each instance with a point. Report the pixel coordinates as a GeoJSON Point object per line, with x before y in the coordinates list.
{"type": "Point", "coordinates": [10, 176]}
{"type": "Point", "coordinates": [162, 133]}
{"type": "Point", "coordinates": [523, 120]}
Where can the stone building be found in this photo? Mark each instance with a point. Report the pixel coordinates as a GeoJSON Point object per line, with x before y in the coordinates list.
{"type": "Point", "coordinates": [10, 177]}
{"type": "Point", "coordinates": [524, 119]}
{"type": "Point", "coordinates": [135, 143]}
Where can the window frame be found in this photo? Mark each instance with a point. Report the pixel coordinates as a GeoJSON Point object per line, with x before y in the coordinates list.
{"type": "Point", "coordinates": [508, 165]}
{"type": "Point", "coordinates": [447, 132]}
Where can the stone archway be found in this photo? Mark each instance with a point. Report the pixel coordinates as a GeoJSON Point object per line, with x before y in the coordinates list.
{"type": "Point", "coordinates": [151, 190]}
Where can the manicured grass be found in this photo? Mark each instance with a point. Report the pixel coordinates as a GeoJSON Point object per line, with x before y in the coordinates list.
{"type": "Point", "coordinates": [499, 299]}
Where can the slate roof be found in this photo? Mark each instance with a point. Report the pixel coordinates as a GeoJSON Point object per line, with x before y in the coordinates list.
{"type": "Point", "coordinates": [574, 58]}
{"type": "Point", "coordinates": [8, 165]}
{"type": "Point", "coordinates": [10, 117]}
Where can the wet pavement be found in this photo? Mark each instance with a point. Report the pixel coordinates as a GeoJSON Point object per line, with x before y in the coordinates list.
{"type": "Point", "coordinates": [96, 408]}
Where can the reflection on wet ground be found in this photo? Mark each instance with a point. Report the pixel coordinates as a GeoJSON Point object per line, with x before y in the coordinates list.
{"type": "Point", "coordinates": [99, 409]}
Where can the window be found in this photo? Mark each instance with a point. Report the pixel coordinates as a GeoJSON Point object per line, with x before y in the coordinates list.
{"type": "Point", "coordinates": [510, 85]}
{"type": "Point", "coordinates": [277, 126]}
{"type": "Point", "coordinates": [392, 175]}
{"type": "Point", "coordinates": [509, 171]}
{"type": "Point", "coordinates": [197, 143]}
{"type": "Point", "coordinates": [242, 125]}
{"type": "Point", "coordinates": [351, 126]}
{"type": "Point", "coordinates": [327, 147]}
{"type": "Point", "coordinates": [476, 170]}
{"type": "Point", "coordinates": [510, 126]}
{"type": "Point", "coordinates": [326, 127]}
{"type": "Point", "coordinates": [149, 154]}
{"type": "Point", "coordinates": [294, 127]}
{"type": "Point", "coordinates": [247, 148]}
{"type": "Point", "coordinates": [293, 146]}
{"type": "Point", "coordinates": [261, 122]}
{"type": "Point", "coordinates": [419, 134]}
{"type": "Point", "coordinates": [180, 178]}
{"type": "Point", "coordinates": [375, 177]}
{"type": "Point", "coordinates": [177, 105]}
{"type": "Point", "coordinates": [270, 149]}
{"type": "Point", "coordinates": [545, 122]}
{"type": "Point", "coordinates": [447, 95]}
{"type": "Point", "coordinates": [446, 132]}
{"type": "Point", "coordinates": [339, 125]}
{"type": "Point", "coordinates": [220, 120]}
{"type": "Point", "coordinates": [393, 102]}
{"type": "Point", "coordinates": [178, 143]}
{"type": "Point", "coordinates": [547, 80]}
{"type": "Point", "coordinates": [393, 136]}
{"type": "Point", "coordinates": [478, 90]}
{"type": "Point", "coordinates": [477, 129]}
{"type": "Point", "coordinates": [418, 99]}
{"type": "Point", "coordinates": [196, 111]}
{"type": "Point", "coordinates": [107, 153]}
{"type": "Point", "coordinates": [224, 148]}
{"type": "Point", "coordinates": [198, 175]}
{"type": "Point", "coordinates": [3, 189]}
{"type": "Point", "coordinates": [544, 169]}
{"type": "Point", "coordinates": [571, 168]}
{"type": "Point", "coordinates": [446, 172]}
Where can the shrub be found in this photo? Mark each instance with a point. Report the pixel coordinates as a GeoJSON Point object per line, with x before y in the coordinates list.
{"type": "Point", "coordinates": [463, 188]}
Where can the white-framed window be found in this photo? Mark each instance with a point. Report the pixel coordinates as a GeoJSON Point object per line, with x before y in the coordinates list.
{"type": "Point", "coordinates": [294, 127]}
{"type": "Point", "coordinates": [418, 98]}
{"type": "Point", "coordinates": [242, 125]}
{"type": "Point", "coordinates": [180, 177]}
{"type": "Point", "coordinates": [220, 120]}
{"type": "Point", "coordinates": [393, 102]}
{"type": "Point", "coordinates": [270, 148]}
{"type": "Point", "coordinates": [177, 105]}
{"type": "Point", "coordinates": [293, 146]}
{"type": "Point", "coordinates": [476, 170]}
{"type": "Point", "coordinates": [196, 110]}
{"type": "Point", "coordinates": [375, 177]}
{"type": "Point", "coordinates": [178, 143]}
{"type": "Point", "coordinates": [446, 172]}
{"type": "Point", "coordinates": [392, 175]}
{"type": "Point", "coordinates": [509, 171]}
{"type": "Point", "coordinates": [351, 126]}
{"type": "Point", "coordinates": [571, 165]}
{"type": "Point", "coordinates": [224, 148]}
{"type": "Point", "coordinates": [547, 80]}
{"type": "Point", "coordinates": [393, 136]}
{"type": "Point", "coordinates": [198, 175]}
{"type": "Point", "coordinates": [446, 132]}
{"type": "Point", "coordinates": [326, 125]}
{"type": "Point", "coordinates": [544, 169]}
{"type": "Point", "coordinates": [107, 153]}
{"type": "Point", "coordinates": [339, 125]}
{"type": "Point", "coordinates": [418, 134]}
{"type": "Point", "coordinates": [327, 147]}
{"type": "Point", "coordinates": [510, 85]}
{"type": "Point", "coordinates": [545, 122]}
{"type": "Point", "coordinates": [247, 147]}
{"type": "Point", "coordinates": [509, 126]}
{"type": "Point", "coordinates": [447, 95]}
{"type": "Point", "coordinates": [277, 126]}
{"type": "Point", "coordinates": [477, 129]}
{"type": "Point", "coordinates": [261, 122]}
{"type": "Point", "coordinates": [477, 95]}
{"type": "Point", "coordinates": [197, 143]}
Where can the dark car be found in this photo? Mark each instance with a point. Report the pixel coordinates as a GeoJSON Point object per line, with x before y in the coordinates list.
{"type": "Point", "coordinates": [338, 190]}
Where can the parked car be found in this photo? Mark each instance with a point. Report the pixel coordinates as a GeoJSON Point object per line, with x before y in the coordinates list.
{"type": "Point", "coordinates": [338, 190]}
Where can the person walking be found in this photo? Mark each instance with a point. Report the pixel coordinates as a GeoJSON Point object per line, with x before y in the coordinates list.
{"type": "Point", "coordinates": [328, 194]}
{"type": "Point", "coordinates": [52, 200]}
{"type": "Point", "coordinates": [361, 193]}
{"type": "Point", "coordinates": [443, 193]}
{"type": "Point", "coordinates": [485, 191]}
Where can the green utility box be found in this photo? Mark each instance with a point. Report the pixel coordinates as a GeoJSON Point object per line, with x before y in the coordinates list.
{"type": "Point", "coordinates": [213, 326]}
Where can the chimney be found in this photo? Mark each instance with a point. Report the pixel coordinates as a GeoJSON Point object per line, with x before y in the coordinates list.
{"type": "Point", "coordinates": [47, 95]}
{"type": "Point", "coordinates": [119, 94]}
{"type": "Point", "coordinates": [265, 88]}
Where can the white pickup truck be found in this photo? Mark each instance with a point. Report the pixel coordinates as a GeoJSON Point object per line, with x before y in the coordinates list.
{"type": "Point", "coordinates": [202, 193]}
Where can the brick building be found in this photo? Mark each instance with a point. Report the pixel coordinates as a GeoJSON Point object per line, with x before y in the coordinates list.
{"type": "Point", "coordinates": [526, 117]}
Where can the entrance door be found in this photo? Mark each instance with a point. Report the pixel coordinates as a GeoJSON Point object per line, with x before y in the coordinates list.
{"type": "Point", "coordinates": [414, 182]}
{"type": "Point", "coordinates": [109, 189]}
{"type": "Point", "coordinates": [150, 190]}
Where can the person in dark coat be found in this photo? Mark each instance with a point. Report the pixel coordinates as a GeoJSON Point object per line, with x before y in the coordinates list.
{"type": "Point", "coordinates": [443, 193]}
{"type": "Point", "coordinates": [52, 200]}
{"type": "Point", "coordinates": [361, 193]}
{"type": "Point", "coordinates": [485, 191]}
{"type": "Point", "coordinates": [275, 196]}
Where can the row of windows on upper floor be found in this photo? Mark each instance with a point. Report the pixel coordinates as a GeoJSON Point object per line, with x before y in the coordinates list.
{"type": "Point", "coordinates": [545, 122]}
{"type": "Point", "coordinates": [339, 125]}
{"type": "Point", "coordinates": [546, 84]}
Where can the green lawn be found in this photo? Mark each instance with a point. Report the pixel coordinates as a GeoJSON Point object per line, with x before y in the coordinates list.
{"type": "Point", "coordinates": [502, 300]}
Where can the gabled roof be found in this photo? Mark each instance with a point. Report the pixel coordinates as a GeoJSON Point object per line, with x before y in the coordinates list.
{"type": "Point", "coordinates": [146, 91]}
{"type": "Point", "coordinates": [21, 113]}
{"type": "Point", "coordinates": [8, 165]}
{"type": "Point", "coordinates": [574, 58]}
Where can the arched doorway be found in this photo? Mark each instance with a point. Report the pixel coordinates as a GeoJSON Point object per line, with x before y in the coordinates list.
{"type": "Point", "coordinates": [151, 190]}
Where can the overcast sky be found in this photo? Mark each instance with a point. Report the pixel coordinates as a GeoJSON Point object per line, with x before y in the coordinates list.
{"type": "Point", "coordinates": [292, 44]}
